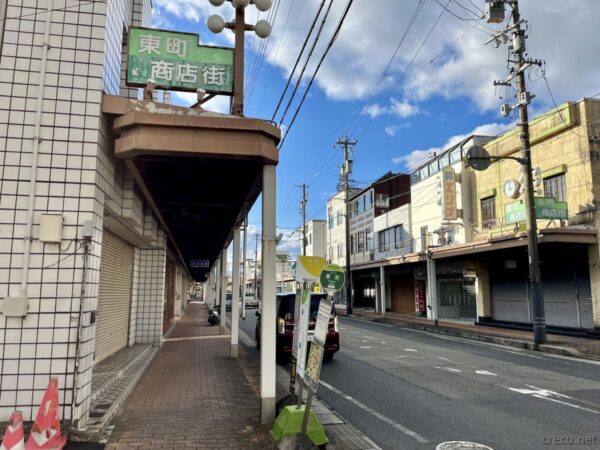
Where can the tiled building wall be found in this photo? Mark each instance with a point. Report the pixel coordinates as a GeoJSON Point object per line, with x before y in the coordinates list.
{"type": "Point", "coordinates": [44, 343]}
{"type": "Point", "coordinates": [75, 173]}
{"type": "Point", "coordinates": [151, 295]}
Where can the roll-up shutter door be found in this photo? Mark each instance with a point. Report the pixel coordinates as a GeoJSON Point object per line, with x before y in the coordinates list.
{"type": "Point", "coordinates": [560, 296]}
{"type": "Point", "coordinates": [509, 299]}
{"type": "Point", "coordinates": [114, 296]}
{"type": "Point", "coordinates": [585, 299]}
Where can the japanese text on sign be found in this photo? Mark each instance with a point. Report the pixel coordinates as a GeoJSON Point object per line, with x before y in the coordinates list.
{"type": "Point", "coordinates": [175, 61]}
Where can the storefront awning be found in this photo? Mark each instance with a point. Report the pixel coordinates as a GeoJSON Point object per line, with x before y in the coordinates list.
{"type": "Point", "coordinates": [199, 171]}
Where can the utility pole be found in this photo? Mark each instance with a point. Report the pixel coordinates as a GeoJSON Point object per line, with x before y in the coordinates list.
{"type": "Point", "coordinates": [495, 14]}
{"type": "Point", "coordinates": [303, 202]}
{"type": "Point", "coordinates": [347, 147]}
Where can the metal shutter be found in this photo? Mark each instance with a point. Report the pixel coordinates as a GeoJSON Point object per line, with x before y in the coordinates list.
{"type": "Point", "coordinates": [585, 299]}
{"type": "Point", "coordinates": [509, 300]}
{"type": "Point", "coordinates": [560, 296]}
{"type": "Point", "coordinates": [114, 296]}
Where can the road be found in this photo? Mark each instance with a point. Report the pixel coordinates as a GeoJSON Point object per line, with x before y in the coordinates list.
{"type": "Point", "coordinates": [407, 389]}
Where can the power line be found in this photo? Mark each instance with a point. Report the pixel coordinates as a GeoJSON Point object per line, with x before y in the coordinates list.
{"type": "Point", "coordinates": [412, 59]}
{"type": "Point", "coordinates": [331, 42]}
{"type": "Point", "coordinates": [310, 53]}
{"type": "Point", "coordinates": [287, 84]}
{"type": "Point", "coordinates": [391, 60]}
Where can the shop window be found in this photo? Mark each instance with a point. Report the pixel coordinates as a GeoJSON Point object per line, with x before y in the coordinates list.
{"type": "Point", "coordinates": [556, 187]}
{"type": "Point", "coordinates": [488, 212]}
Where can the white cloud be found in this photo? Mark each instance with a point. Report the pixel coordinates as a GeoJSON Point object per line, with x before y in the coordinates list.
{"type": "Point", "coordinates": [418, 157]}
{"type": "Point", "coordinates": [391, 130]}
{"type": "Point", "coordinates": [451, 65]}
{"type": "Point", "coordinates": [398, 108]}
{"type": "Point", "coordinates": [218, 104]}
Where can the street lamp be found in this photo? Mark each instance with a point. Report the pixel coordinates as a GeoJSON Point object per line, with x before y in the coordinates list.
{"type": "Point", "coordinates": [262, 28]}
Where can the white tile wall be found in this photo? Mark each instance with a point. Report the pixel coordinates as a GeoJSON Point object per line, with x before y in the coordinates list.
{"type": "Point", "coordinates": [76, 174]}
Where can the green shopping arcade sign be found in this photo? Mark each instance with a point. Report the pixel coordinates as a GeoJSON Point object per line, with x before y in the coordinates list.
{"type": "Point", "coordinates": [175, 61]}
{"type": "Point", "coordinates": [545, 208]}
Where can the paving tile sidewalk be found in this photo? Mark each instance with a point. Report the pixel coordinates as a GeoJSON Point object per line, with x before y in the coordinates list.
{"type": "Point", "coordinates": [557, 344]}
{"type": "Point", "coordinates": [193, 395]}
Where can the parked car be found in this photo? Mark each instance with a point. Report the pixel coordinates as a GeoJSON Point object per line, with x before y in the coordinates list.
{"type": "Point", "coordinates": [285, 325]}
{"type": "Point", "coordinates": [251, 301]}
{"type": "Point", "coordinates": [228, 298]}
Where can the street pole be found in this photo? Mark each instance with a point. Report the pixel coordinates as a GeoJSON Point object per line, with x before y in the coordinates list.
{"type": "Point", "coordinates": [523, 98]}
{"type": "Point", "coordinates": [303, 202]}
{"type": "Point", "coordinates": [237, 104]}
{"type": "Point", "coordinates": [255, 269]}
{"type": "Point", "coordinates": [537, 297]}
{"type": "Point", "coordinates": [244, 272]}
{"type": "Point", "coordinates": [347, 146]}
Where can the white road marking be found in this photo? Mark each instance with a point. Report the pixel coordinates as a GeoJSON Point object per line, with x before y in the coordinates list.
{"type": "Point", "coordinates": [384, 342]}
{"type": "Point", "coordinates": [407, 431]}
{"type": "Point", "coordinates": [442, 358]}
{"type": "Point", "coordinates": [485, 372]}
{"type": "Point", "coordinates": [410, 350]}
{"type": "Point", "coordinates": [447, 369]}
{"type": "Point", "coordinates": [499, 347]}
{"type": "Point", "coordinates": [363, 346]}
{"type": "Point", "coordinates": [545, 394]}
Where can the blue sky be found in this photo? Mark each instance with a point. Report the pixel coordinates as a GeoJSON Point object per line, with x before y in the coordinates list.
{"type": "Point", "coordinates": [445, 94]}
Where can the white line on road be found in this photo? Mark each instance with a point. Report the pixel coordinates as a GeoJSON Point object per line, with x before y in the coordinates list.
{"type": "Point", "coordinates": [485, 372]}
{"type": "Point", "coordinates": [407, 431]}
{"type": "Point", "coordinates": [545, 394]}
{"type": "Point", "coordinates": [409, 350]}
{"type": "Point", "coordinates": [447, 369]}
{"type": "Point", "coordinates": [363, 346]}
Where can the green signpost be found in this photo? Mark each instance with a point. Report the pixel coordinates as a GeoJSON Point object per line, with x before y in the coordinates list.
{"type": "Point", "coordinates": [545, 208]}
{"type": "Point", "coordinates": [176, 62]}
{"type": "Point", "coordinates": [332, 278]}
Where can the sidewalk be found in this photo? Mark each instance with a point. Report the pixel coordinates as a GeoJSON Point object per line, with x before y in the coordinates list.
{"type": "Point", "coordinates": [557, 344]}
{"type": "Point", "coordinates": [193, 395]}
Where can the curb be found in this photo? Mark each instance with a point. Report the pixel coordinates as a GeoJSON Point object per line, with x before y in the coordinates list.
{"type": "Point", "coordinates": [525, 345]}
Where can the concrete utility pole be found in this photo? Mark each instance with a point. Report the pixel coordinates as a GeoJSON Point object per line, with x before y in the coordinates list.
{"type": "Point", "coordinates": [303, 203]}
{"type": "Point", "coordinates": [495, 14]}
{"type": "Point", "coordinates": [347, 147]}
{"type": "Point", "coordinates": [244, 272]}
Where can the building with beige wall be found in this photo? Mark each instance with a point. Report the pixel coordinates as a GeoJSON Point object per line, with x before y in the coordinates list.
{"type": "Point", "coordinates": [566, 159]}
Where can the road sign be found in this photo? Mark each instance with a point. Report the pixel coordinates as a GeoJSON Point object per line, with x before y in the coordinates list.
{"type": "Point", "coordinates": [322, 324]}
{"type": "Point", "coordinates": [176, 62]}
{"type": "Point", "coordinates": [302, 330]}
{"type": "Point", "coordinates": [308, 268]}
{"type": "Point", "coordinates": [450, 211]}
{"type": "Point", "coordinates": [478, 158]}
{"type": "Point", "coordinates": [545, 208]}
{"type": "Point", "coordinates": [332, 278]}
{"type": "Point", "coordinates": [199, 263]}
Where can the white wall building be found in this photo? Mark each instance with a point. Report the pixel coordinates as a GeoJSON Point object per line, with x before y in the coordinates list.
{"type": "Point", "coordinates": [336, 229]}
{"type": "Point", "coordinates": [316, 238]}
{"type": "Point", "coordinates": [429, 228]}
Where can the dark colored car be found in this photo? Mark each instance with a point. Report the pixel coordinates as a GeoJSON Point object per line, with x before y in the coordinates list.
{"type": "Point", "coordinates": [285, 325]}
{"type": "Point", "coordinates": [228, 298]}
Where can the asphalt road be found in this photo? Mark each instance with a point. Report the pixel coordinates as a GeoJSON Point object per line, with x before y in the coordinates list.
{"type": "Point", "coordinates": [407, 389]}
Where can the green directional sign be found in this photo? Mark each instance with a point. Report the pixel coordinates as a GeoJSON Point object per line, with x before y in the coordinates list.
{"type": "Point", "coordinates": [176, 62]}
{"type": "Point", "coordinates": [545, 208]}
{"type": "Point", "coordinates": [332, 278]}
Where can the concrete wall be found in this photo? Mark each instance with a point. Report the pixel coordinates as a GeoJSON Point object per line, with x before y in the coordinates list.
{"type": "Point", "coordinates": [398, 216]}
{"type": "Point", "coordinates": [316, 236]}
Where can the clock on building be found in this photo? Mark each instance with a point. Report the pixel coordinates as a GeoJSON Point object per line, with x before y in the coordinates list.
{"type": "Point", "coordinates": [511, 188]}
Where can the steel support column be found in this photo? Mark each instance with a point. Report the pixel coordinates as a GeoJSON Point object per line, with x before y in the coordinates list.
{"type": "Point", "coordinates": [268, 313]}
{"type": "Point", "coordinates": [235, 293]}
{"type": "Point", "coordinates": [432, 290]}
{"type": "Point", "coordinates": [382, 291]}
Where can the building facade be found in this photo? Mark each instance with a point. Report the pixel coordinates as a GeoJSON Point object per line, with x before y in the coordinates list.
{"type": "Point", "coordinates": [336, 229]}
{"type": "Point", "coordinates": [80, 247]}
{"type": "Point", "coordinates": [316, 238]}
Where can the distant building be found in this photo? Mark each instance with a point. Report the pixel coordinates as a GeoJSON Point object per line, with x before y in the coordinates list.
{"type": "Point", "coordinates": [316, 238]}
{"type": "Point", "coordinates": [336, 229]}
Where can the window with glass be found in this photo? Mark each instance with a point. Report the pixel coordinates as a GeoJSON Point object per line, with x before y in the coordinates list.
{"type": "Point", "coordinates": [390, 238]}
{"type": "Point", "coordinates": [360, 205]}
{"type": "Point", "coordinates": [488, 212]}
{"type": "Point", "coordinates": [361, 241]}
{"type": "Point", "coordinates": [556, 187]}
{"type": "Point", "coordinates": [368, 200]}
{"type": "Point", "coordinates": [369, 238]}
{"type": "Point", "coordinates": [330, 221]}
{"type": "Point", "coordinates": [433, 167]}
{"type": "Point", "coordinates": [340, 250]}
{"type": "Point", "coordinates": [455, 156]}
{"type": "Point", "coordinates": [340, 218]}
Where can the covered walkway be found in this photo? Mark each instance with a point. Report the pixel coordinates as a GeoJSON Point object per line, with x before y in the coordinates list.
{"type": "Point", "coordinates": [194, 395]}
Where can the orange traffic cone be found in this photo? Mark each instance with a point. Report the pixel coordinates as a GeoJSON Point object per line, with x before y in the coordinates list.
{"type": "Point", "coordinates": [45, 432]}
{"type": "Point", "coordinates": [13, 438]}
